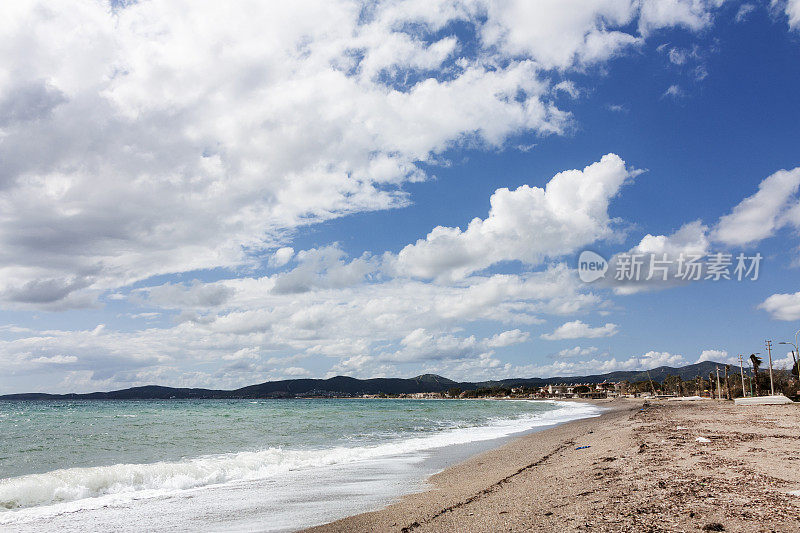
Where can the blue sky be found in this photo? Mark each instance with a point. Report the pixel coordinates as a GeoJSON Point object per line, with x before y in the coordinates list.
{"type": "Point", "coordinates": [261, 203]}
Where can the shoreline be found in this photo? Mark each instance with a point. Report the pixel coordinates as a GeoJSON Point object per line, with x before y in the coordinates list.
{"type": "Point", "coordinates": [643, 470]}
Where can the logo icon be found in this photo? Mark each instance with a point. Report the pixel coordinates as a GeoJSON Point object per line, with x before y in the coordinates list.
{"type": "Point", "coordinates": [591, 266]}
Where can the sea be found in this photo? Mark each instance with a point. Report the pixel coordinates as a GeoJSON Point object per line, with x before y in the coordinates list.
{"type": "Point", "coordinates": [237, 465]}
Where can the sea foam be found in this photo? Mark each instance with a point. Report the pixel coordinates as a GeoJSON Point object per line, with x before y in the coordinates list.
{"type": "Point", "coordinates": [162, 478]}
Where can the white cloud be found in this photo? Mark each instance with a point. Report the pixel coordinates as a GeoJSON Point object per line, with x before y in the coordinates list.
{"type": "Point", "coordinates": [558, 38]}
{"type": "Point", "coordinates": [791, 8]}
{"type": "Point", "coordinates": [508, 338]}
{"type": "Point", "coordinates": [673, 91]}
{"type": "Point", "coordinates": [689, 240]}
{"type": "Point", "coordinates": [677, 56]}
{"type": "Point", "coordinates": [367, 329]}
{"type": "Point", "coordinates": [527, 224]}
{"type": "Point", "coordinates": [759, 216]}
{"type": "Point", "coordinates": [691, 14]}
{"type": "Point", "coordinates": [55, 360]}
{"type": "Point", "coordinates": [246, 120]}
{"type": "Point", "coordinates": [324, 268]}
{"type": "Point", "coordinates": [181, 296]}
{"type": "Point", "coordinates": [653, 359]}
{"type": "Point", "coordinates": [647, 361]}
{"type": "Point", "coordinates": [577, 351]}
{"type": "Point", "coordinates": [784, 363]}
{"type": "Point", "coordinates": [296, 371]}
{"type": "Point", "coordinates": [720, 356]}
{"type": "Point", "coordinates": [782, 306]}
{"type": "Point", "coordinates": [216, 130]}
{"type": "Point", "coordinates": [744, 12]}
{"type": "Point", "coordinates": [421, 344]}
{"type": "Point", "coordinates": [281, 256]}
{"type": "Point", "coordinates": [162, 138]}
{"type": "Point", "coordinates": [580, 330]}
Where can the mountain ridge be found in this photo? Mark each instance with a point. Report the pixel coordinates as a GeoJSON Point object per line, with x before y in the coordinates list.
{"type": "Point", "coordinates": [349, 386]}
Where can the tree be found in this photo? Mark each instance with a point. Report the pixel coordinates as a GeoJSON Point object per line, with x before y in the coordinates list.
{"type": "Point", "coordinates": [672, 384]}
{"type": "Point", "coordinates": [756, 361]}
{"type": "Point", "coordinates": [727, 382]}
{"type": "Point", "coordinates": [582, 389]}
{"type": "Point", "coordinates": [454, 392]}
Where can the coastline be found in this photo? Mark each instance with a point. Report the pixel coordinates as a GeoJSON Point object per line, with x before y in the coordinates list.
{"type": "Point", "coordinates": [643, 470]}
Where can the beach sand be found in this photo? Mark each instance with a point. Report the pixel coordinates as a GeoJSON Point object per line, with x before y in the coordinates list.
{"type": "Point", "coordinates": [644, 471]}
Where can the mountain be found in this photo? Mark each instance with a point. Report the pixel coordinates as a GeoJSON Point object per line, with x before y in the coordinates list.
{"type": "Point", "coordinates": [347, 386]}
{"type": "Point", "coordinates": [656, 374]}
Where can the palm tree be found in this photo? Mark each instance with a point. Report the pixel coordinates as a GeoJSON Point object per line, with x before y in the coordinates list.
{"type": "Point", "coordinates": [756, 361]}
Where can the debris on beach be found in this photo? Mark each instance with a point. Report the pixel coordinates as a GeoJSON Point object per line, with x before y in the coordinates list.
{"type": "Point", "coordinates": [776, 399]}
{"type": "Point", "coordinates": [702, 440]}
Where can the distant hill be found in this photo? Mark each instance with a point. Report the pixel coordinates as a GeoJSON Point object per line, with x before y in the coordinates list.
{"type": "Point", "coordinates": [656, 374]}
{"type": "Point", "coordinates": [347, 386]}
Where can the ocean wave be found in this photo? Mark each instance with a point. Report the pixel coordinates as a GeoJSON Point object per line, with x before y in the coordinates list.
{"type": "Point", "coordinates": [139, 480]}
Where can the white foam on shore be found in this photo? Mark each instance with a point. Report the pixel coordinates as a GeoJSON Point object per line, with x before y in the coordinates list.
{"type": "Point", "coordinates": [74, 489]}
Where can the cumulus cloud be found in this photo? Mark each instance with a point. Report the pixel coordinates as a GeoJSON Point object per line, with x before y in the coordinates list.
{"type": "Point", "coordinates": [577, 351]}
{"type": "Point", "coordinates": [367, 329]}
{"type": "Point", "coordinates": [720, 356]}
{"type": "Point", "coordinates": [660, 259]}
{"type": "Point", "coordinates": [580, 330]}
{"type": "Point", "coordinates": [566, 368]}
{"type": "Point", "coordinates": [654, 359]}
{"type": "Point", "coordinates": [211, 140]}
{"type": "Point", "coordinates": [782, 306]}
{"type": "Point", "coordinates": [527, 224]}
{"type": "Point", "coordinates": [324, 267]}
{"type": "Point", "coordinates": [296, 371]}
{"type": "Point", "coordinates": [182, 296]}
{"type": "Point", "coordinates": [690, 14]}
{"type": "Point", "coordinates": [759, 216]}
{"type": "Point", "coordinates": [281, 256]}
{"type": "Point", "coordinates": [153, 139]}
{"type": "Point", "coordinates": [217, 130]}
{"type": "Point", "coordinates": [545, 32]}
{"type": "Point", "coordinates": [507, 338]}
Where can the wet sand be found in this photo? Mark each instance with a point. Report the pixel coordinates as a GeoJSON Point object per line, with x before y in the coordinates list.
{"type": "Point", "coordinates": [643, 471]}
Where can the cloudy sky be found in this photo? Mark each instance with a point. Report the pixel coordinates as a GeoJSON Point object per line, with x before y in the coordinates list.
{"type": "Point", "coordinates": [203, 193]}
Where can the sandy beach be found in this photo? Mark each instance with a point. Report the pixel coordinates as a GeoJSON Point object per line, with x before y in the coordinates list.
{"type": "Point", "coordinates": [643, 470]}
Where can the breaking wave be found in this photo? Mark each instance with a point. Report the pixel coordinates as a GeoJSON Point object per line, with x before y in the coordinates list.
{"type": "Point", "coordinates": [153, 479]}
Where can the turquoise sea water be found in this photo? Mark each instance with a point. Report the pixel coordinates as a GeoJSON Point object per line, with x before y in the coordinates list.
{"type": "Point", "coordinates": [79, 458]}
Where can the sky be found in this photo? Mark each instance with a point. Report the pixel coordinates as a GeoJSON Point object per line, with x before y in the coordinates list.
{"type": "Point", "coordinates": [208, 194]}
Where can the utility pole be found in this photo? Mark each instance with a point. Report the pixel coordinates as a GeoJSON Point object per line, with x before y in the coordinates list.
{"type": "Point", "coordinates": [795, 354]}
{"type": "Point", "coordinates": [741, 368]}
{"type": "Point", "coordinates": [771, 382]}
{"type": "Point", "coordinates": [719, 389]}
